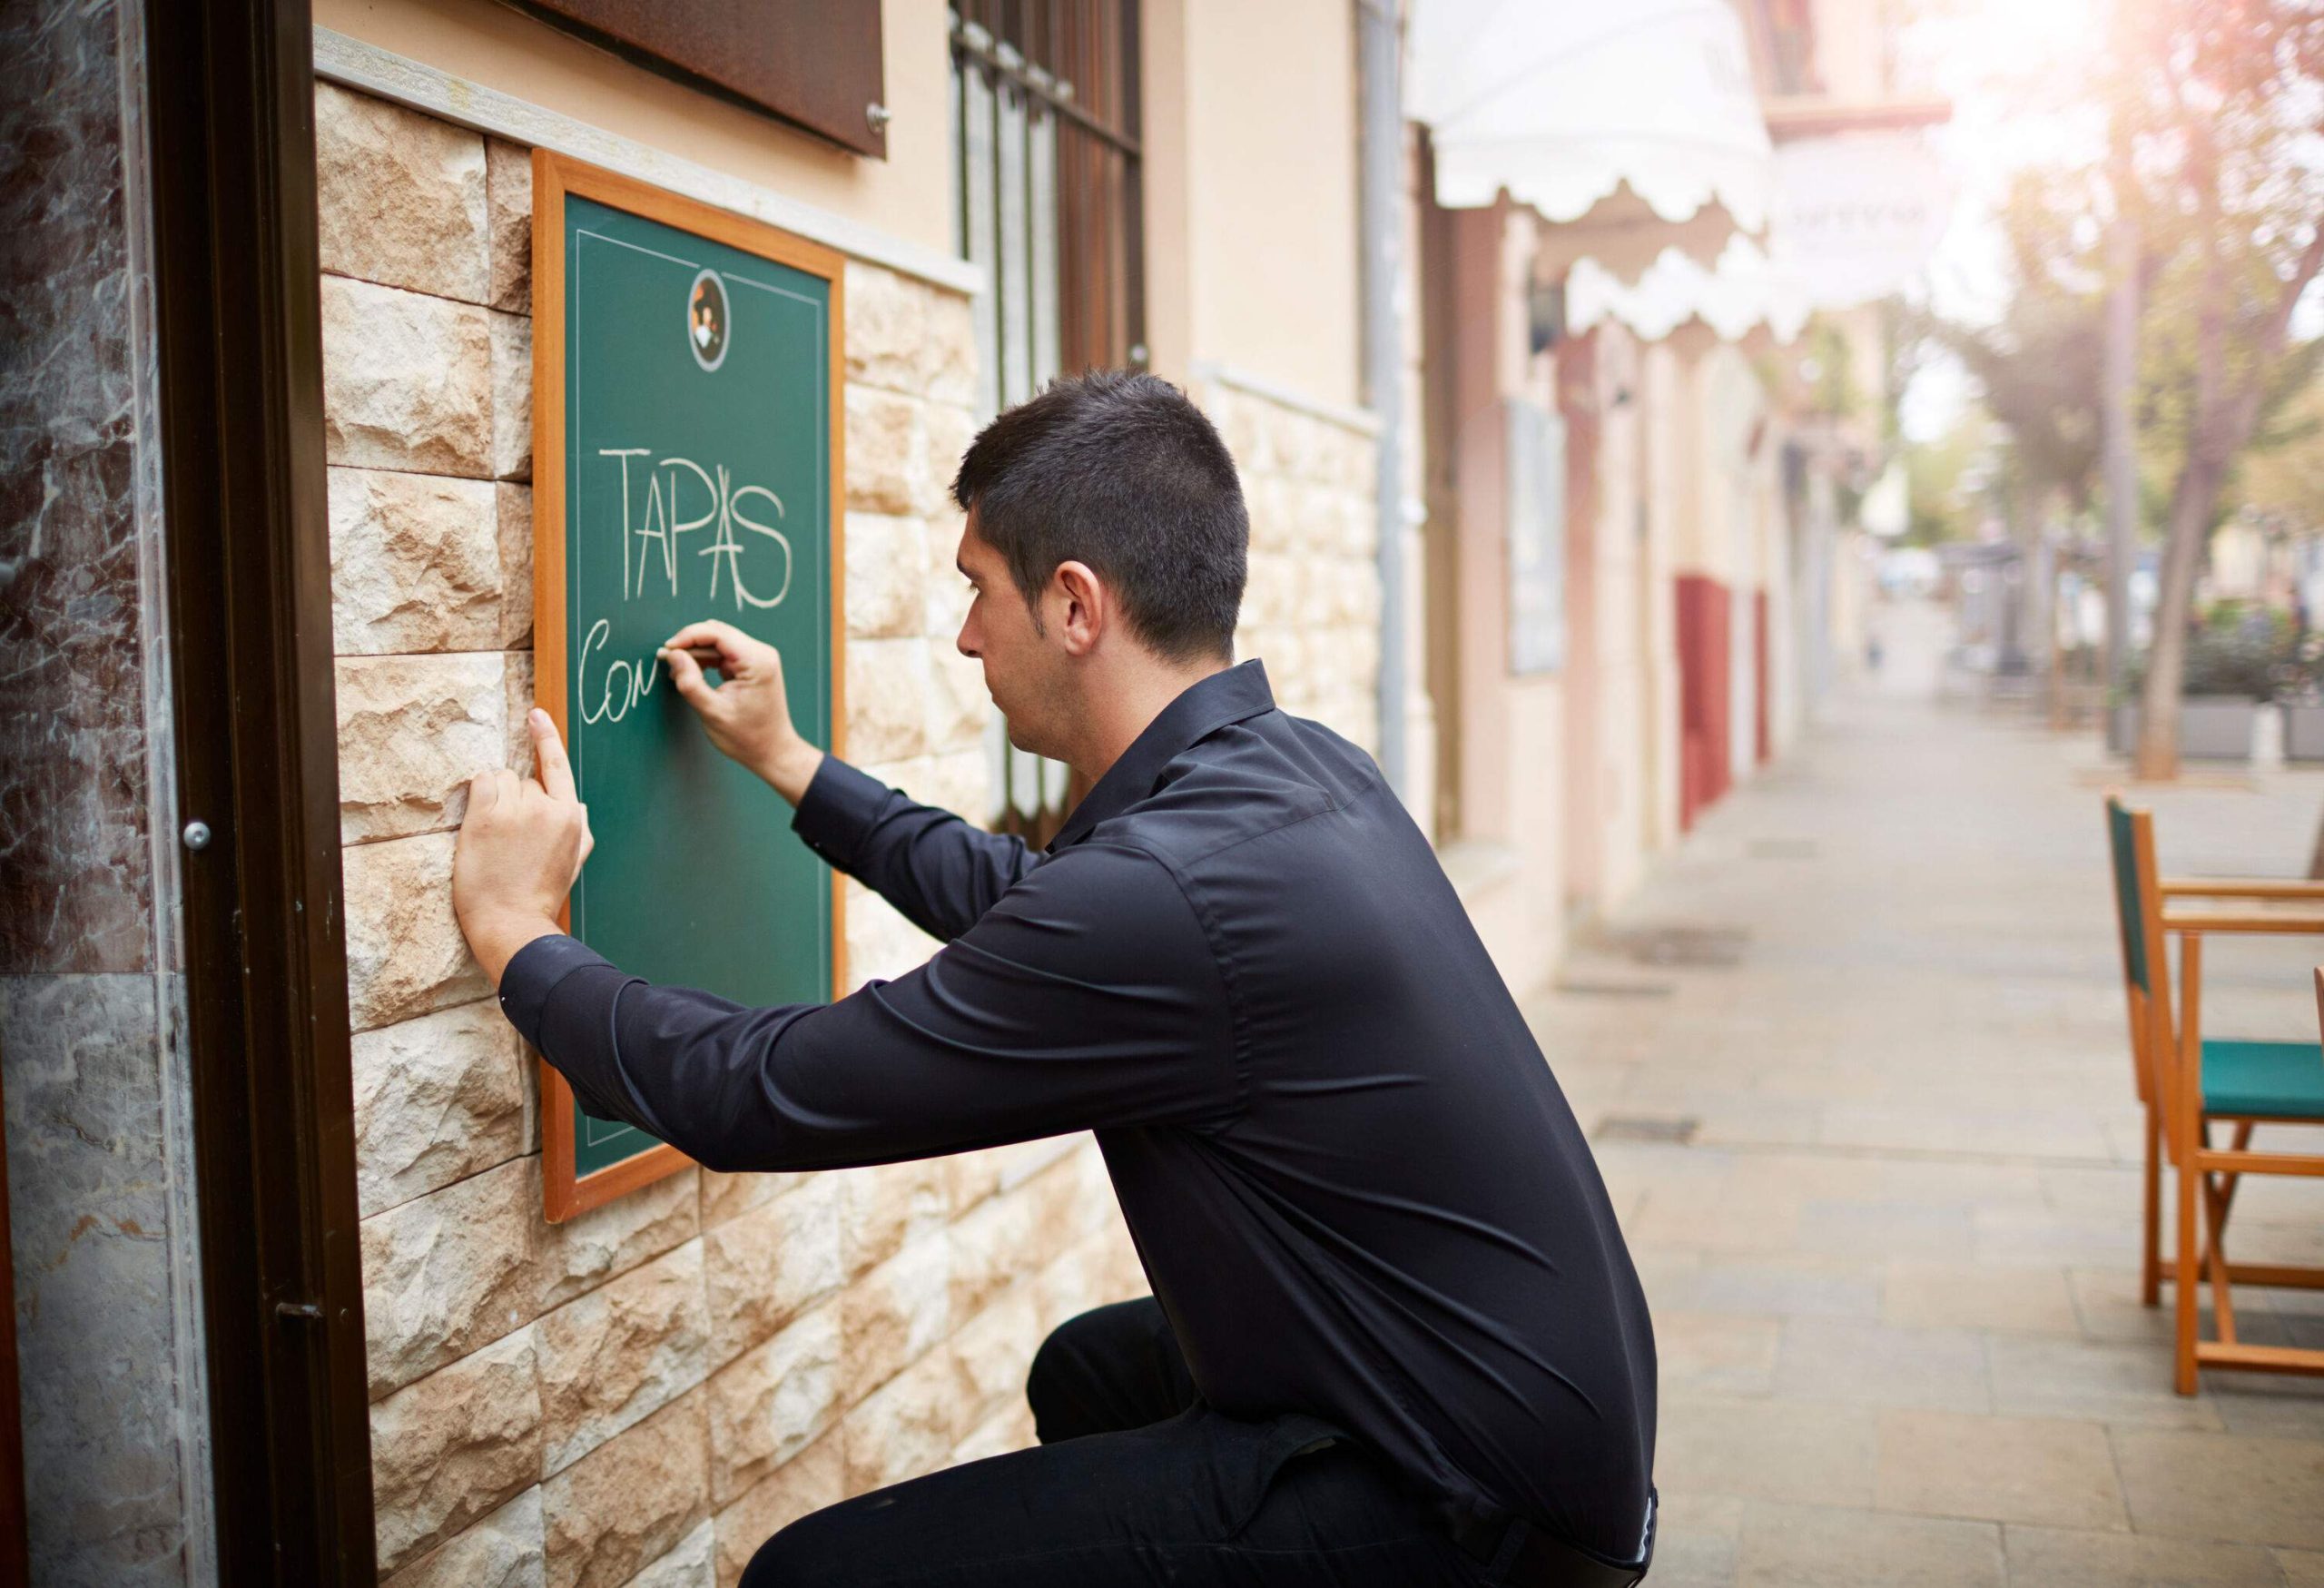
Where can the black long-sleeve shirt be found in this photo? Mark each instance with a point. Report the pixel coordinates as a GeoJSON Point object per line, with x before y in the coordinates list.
{"type": "Point", "coordinates": [1356, 1186]}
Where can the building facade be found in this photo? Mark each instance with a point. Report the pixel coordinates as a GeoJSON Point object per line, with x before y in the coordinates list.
{"type": "Point", "coordinates": [1588, 576]}
{"type": "Point", "coordinates": [1577, 266]}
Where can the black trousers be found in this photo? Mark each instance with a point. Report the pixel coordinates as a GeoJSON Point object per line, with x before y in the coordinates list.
{"type": "Point", "coordinates": [1135, 1481]}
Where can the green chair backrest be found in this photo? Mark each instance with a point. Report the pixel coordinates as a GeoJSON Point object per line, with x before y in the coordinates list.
{"type": "Point", "coordinates": [2122, 839]}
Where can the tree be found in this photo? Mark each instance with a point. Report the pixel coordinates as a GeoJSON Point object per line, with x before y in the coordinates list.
{"type": "Point", "coordinates": [2224, 102]}
{"type": "Point", "coordinates": [2037, 366]}
{"type": "Point", "coordinates": [1940, 476]}
{"type": "Point", "coordinates": [2282, 477]}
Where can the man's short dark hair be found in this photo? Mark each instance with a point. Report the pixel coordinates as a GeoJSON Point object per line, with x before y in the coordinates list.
{"type": "Point", "coordinates": [1118, 469]}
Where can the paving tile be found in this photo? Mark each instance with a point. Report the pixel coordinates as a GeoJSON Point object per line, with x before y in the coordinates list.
{"type": "Point", "coordinates": [2101, 1191]}
{"type": "Point", "coordinates": [1781, 1287]}
{"type": "Point", "coordinates": [1967, 1185]}
{"type": "Point", "coordinates": [1712, 1216]}
{"type": "Point", "coordinates": [2038, 1235]}
{"type": "Point", "coordinates": [1667, 1276]}
{"type": "Point", "coordinates": [2273, 1405]}
{"type": "Point", "coordinates": [2053, 1133]}
{"type": "Point", "coordinates": [2055, 1557]}
{"type": "Point", "coordinates": [2281, 1327]}
{"type": "Point", "coordinates": [1716, 1352]}
{"type": "Point", "coordinates": [2253, 1240]}
{"type": "Point", "coordinates": [1810, 1546]}
{"type": "Point", "coordinates": [1766, 1449]}
{"type": "Point", "coordinates": [2107, 1302]}
{"type": "Point", "coordinates": [2303, 1568]}
{"type": "Point", "coordinates": [1758, 1120]}
{"type": "Point", "coordinates": [1874, 1364]}
{"type": "Point", "coordinates": [1879, 1230]}
{"type": "Point", "coordinates": [2125, 1131]}
{"type": "Point", "coordinates": [2239, 1489]}
{"type": "Point", "coordinates": [1998, 1469]}
{"type": "Point", "coordinates": [2036, 1376]}
{"type": "Point", "coordinates": [1924, 1294]}
{"type": "Point", "coordinates": [1695, 1539]}
{"type": "Point", "coordinates": [1919, 1168]}
{"type": "Point", "coordinates": [1812, 1176]}
{"type": "Point", "coordinates": [2298, 1303]}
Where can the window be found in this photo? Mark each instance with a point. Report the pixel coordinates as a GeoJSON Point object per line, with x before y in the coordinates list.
{"type": "Point", "coordinates": [1047, 201]}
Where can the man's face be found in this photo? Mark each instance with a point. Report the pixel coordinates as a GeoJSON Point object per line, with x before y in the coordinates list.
{"type": "Point", "coordinates": [1025, 670]}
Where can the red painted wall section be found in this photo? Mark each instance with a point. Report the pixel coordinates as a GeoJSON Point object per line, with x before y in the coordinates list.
{"type": "Point", "coordinates": [1705, 730]}
{"type": "Point", "coordinates": [1763, 741]}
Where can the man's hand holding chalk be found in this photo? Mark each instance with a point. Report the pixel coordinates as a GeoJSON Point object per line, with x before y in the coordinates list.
{"type": "Point", "coordinates": [747, 716]}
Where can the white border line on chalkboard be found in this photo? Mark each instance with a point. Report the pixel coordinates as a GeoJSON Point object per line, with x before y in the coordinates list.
{"type": "Point", "coordinates": [692, 264]}
{"type": "Point", "coordinates": [780, 292]}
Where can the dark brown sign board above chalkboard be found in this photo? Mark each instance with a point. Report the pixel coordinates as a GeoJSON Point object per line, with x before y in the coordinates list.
{"type": "Point", "coordinates": [815, 63]}
{"type": "Point", "coordinates": [688, 375]}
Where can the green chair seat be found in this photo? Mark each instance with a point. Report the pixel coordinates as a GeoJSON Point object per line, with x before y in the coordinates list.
{"type": "Point", "coordinates": [2281, 1078]}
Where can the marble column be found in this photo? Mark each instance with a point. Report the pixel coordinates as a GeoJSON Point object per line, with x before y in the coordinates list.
{"type": "Point", "coordinates": [100, 1171]}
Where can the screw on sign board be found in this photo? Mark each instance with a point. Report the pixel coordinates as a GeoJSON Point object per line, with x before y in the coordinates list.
{"type": "Point", "coordinates": [687, 385]}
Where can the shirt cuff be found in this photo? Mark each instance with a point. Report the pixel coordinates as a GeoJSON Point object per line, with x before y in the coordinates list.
{"type": "Point", "coordinates": [534, 972]}
{"type": "Point", "coordinates": [840, 807]}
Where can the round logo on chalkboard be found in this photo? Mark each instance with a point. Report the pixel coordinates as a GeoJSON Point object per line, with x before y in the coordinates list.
{"type": "Point", "coordinates": [708, 321]}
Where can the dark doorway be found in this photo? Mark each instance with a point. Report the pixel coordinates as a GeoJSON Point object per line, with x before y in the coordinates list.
{"type": "Point", "coordinates": [232, 106]}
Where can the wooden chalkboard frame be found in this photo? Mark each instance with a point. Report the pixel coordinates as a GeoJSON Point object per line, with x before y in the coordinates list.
{"type": "Point", "coordinates": [565, 1194]}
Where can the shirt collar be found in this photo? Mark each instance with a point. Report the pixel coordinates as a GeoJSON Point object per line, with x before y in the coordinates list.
{"type": "Point", "coordinates": [1201, 709]}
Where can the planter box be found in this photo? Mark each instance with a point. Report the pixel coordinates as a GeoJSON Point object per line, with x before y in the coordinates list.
{"type": "Point", "coordinates": [2304, 733]}
{"type": "Point", "coordinates": [2211, 727]}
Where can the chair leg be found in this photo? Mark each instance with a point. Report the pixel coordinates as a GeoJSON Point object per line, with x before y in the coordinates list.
{"type": "Point", "coordinates": [2227, 1181]}
{"type": "Point", "coordinates": [2215, 1201]}
{"type": "Point", "coordinates": [2151, 1263]}
{"type": "Point", "coordinates": [2183, 1271]}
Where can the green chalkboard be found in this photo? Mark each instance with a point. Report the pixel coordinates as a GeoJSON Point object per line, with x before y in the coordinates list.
{"type": "Point", "coordinates": [686, 464]}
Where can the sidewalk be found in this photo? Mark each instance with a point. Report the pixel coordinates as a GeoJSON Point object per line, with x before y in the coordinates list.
{"type": "Point", "coordinates": [1893, 1260]}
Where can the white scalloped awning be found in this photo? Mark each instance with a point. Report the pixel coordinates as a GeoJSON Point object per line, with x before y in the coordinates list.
{"type": "Point", "coordinates": [1743, 291]}
{"type": "Point", "coordinates": [1855, 219]}
{"type": "Point", "coordinates": [1563, 102]}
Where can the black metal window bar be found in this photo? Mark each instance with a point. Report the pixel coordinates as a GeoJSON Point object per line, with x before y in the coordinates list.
{"type": "Point", "coordinates": [1045, 119]}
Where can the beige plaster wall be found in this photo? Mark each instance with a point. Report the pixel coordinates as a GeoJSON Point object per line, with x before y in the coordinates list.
{"type": "Point", "coordinates": [1624, 672]}
{"type": "Point", "coordinates": [1667, 422]}
{"type": "Point", "coordinates": [1852, 42]}
{"type": "Point", "coordinates": [1507, 857]}
{"type": "Point", "coordinates": [1250, 147]}
{"type": "Point", "coordinates": [1783, 616]}
{"type": "Point", "coordinates": [907, 195]}
{"type": "Point", "coordinates": [1421, 733]}
{"type": "Point", "coordinates": [1269, 153]}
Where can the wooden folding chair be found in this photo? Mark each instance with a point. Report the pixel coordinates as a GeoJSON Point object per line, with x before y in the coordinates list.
{"type": "Point", "coordinates": [2187, 1081]}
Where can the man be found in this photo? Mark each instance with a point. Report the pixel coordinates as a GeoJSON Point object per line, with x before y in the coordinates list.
{"type": "Point", "coordinates": [1395, 1336]}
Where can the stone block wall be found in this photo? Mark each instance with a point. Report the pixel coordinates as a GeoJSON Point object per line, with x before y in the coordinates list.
{"type": "Point", "coordinates": [1311, 611]}
{"type": "Point", "coordinates": [644, 1393]}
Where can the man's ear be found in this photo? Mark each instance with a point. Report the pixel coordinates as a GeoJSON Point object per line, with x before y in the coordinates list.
{"type": "Point", "coordinates": [1084, 598]}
